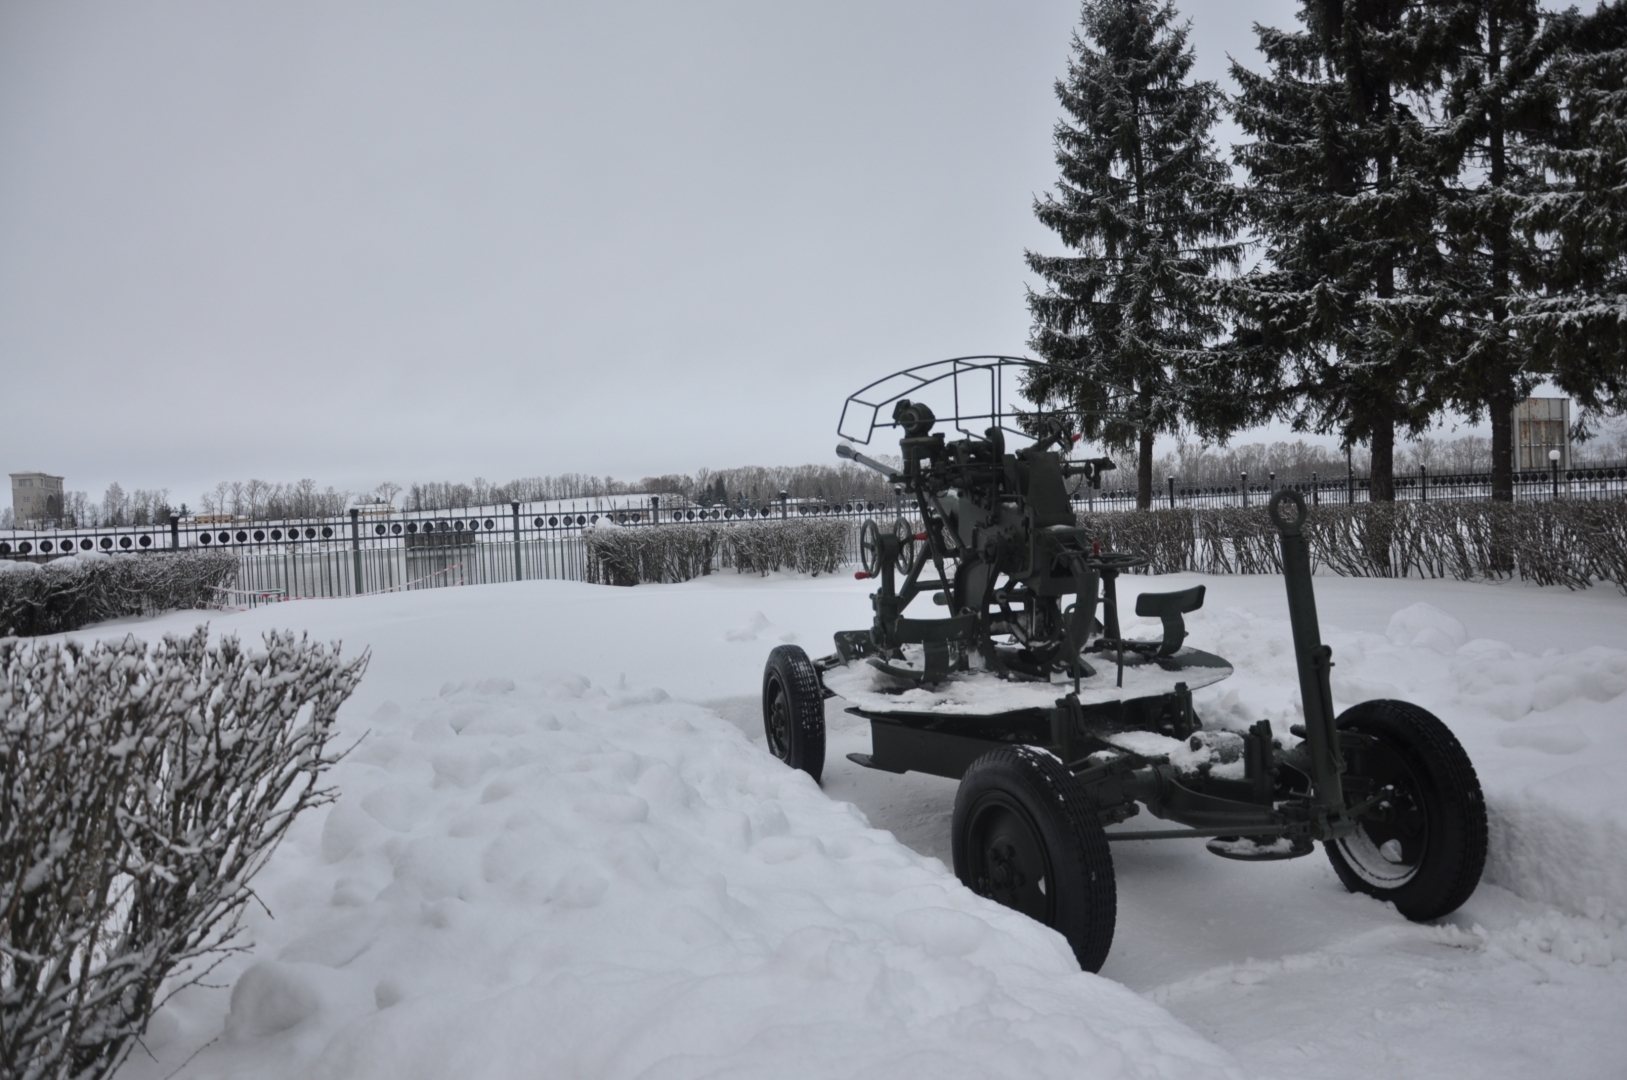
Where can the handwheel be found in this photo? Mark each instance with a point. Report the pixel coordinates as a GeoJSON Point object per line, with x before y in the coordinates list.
{"type": "Point", "coordinates": [904, 533]}
{"type": "Point", "coordinates": [1025, 835]}
{"type": "Point", "coordinates": [1422, 847]}
{"type": "Point", "coordinates": [794, 710]}
{"type": "Point", "coordinates": [870, 548]}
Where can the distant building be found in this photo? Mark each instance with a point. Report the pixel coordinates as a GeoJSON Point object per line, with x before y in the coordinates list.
{"type": "Point", "coordinates": [1541, 425]}
{"type": "Point", "coordinates": [35, 496]}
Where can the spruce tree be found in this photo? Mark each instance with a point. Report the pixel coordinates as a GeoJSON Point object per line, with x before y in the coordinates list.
{"type": "Point", "coordinates": [1344, 191]}
{"type": "Point", "coordinates": [1500, 111]}
{"type": "Point", "coordinates": [1577, 308]}
{"type": "Point", "coordinates": [1144, 201]}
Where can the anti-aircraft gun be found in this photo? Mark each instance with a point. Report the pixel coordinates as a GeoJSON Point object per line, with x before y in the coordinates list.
{"type": "Point", "coordinates": [1024, 687]}
{"type": "Point", "coordinates": [1004, 523]}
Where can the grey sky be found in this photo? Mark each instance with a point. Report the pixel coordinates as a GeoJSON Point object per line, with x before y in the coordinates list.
{"type": "Point", "coordinates": [365, 241]}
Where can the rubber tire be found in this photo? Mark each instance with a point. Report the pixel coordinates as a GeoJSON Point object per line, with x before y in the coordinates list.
{"type": "Point", "coordinates": [789, 680]}
{"type": "Point", "coordinates": [1453, 849]}
{"type": "Point", "coordinates": [1023, 788]}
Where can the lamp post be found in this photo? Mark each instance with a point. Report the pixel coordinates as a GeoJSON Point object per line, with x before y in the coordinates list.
{"type": "Point", "coordinates": [1553, 462]}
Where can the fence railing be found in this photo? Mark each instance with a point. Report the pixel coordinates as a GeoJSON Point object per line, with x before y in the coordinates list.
{"type": "Point", "coordinates": [378, 550]}
{"type": "Point", "coordinates": [1605, 481]}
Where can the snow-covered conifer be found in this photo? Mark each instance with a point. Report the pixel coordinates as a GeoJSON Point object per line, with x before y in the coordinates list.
{"type": "Point", "coordinates": [1500, 109]}
{"type": "Point", "coordinates": [1125, 324]}
{"type": "Point", "coordinates": [1345, 180]}
{"type": "Point", "coordinates": [1578, 310]}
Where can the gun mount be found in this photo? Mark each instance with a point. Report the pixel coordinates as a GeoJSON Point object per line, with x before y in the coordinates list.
{"type": "Point", "coordinates": [1022, 685]}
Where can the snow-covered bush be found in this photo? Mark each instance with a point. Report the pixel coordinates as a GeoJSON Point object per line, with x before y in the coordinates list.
{"type": "Point", "coordinates": [667, 553]}
{"type": "Point", "coordinates": [808, 546]}
{"type": "Point", "coordinates": [1564, 542]}
{"type": "Point", "coordinates": [140, 790]}
{"type": "Point", "coordinates": [70, 592]}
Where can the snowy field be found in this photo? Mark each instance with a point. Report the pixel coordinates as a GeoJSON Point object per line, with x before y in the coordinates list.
{"type": "Point", "coordinates": [561, 851]}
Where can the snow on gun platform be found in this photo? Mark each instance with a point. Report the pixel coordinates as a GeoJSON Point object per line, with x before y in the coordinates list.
{"type": "Point", "coordinates": [973, 693]}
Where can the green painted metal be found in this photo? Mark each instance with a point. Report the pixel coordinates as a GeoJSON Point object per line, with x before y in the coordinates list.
{"type": "Point", "coordinates": [1032, 597]}
{"type": "Point", "coordinates": [1314, 659]}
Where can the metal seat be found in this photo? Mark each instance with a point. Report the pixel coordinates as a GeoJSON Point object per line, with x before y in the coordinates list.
{"type": "Point", "coordinates": [1169, 607]}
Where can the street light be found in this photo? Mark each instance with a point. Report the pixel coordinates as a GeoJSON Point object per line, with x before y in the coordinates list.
{"type": "Point", "coordinates": [1553, 462]}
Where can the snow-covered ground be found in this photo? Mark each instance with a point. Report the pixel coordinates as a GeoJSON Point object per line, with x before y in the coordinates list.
{"type": "Point", "coordinates": [560, 850]}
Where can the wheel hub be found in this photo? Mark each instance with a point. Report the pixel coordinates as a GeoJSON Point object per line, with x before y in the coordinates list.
{"type": "Point", "coordinates": [1388, 845]}
{"type": "Point", "coordinates": [1012, 867]}
{"type": "Point", "coordinates": [779, 723]}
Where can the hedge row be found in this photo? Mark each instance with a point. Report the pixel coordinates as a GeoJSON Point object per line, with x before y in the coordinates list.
{"type": "Point", "coordinates": [668, 553]}
{"type": "Point", "coordinates": [1565, 542]}
{"type": "Point", "coordinates": [49, 598]}
{"type": "Point", "coordinates": [140, 791]}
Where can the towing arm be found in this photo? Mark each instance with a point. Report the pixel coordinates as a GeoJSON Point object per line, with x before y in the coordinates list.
{"type": "Point", "coordinates": [1313, 658]}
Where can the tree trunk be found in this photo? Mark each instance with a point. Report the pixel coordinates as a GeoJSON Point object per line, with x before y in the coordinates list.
{"type": "Point", "coordinates": [1501, 406]}
{"type": "Point", "coordinates": [1381, 479]}
{"type": "Point", "coordinates": [1144, 471]}
{"type": "Point", "coordinates": [1500, 399]}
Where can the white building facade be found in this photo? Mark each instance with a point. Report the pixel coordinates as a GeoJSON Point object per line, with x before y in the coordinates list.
{"type": "Point", "coordinates": [35, 497]}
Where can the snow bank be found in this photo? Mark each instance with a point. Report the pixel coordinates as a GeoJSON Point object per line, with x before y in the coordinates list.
{"type": "Point", "coordinates": [559, 879]}
{"type": "Point", "coordinates": [1544, 729]}
{"type": "Point", "coordinates": [823, 946]}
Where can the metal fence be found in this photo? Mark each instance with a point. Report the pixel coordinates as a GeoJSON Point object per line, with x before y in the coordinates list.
{"type": "Point", "coordinates": [378, 550]}
{"type": "Point", "coordinates": [375, 550]}
{"type": "Point", "coordinates": [1605, 481]}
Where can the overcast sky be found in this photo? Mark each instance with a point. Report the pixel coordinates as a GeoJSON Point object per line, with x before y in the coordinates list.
{"type": "Point", "coordinates": [368, 241]}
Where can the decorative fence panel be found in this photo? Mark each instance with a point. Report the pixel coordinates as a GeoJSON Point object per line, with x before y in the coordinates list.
{"type": "Point", "coordinates": [385, 550]}
{"type": "Point", "coordinates": [373, 551]}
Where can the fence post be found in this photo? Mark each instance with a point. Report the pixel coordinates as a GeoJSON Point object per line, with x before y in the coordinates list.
{"type": "Point", "coordinates": [1245, 488]}
{"type": "Point", "coordinates": [1271, 482]}
{"type": "Point", "coordinates": [785, 504]}
{"type": "Point", "coordinates": [655, 509]}
{"type": "Point", "coordinates": [1172, 493]}
{"type": "Point", "coordinates": [175, 532]}
{"type": "Point", "coordinates": [356, 550]}
{"type": "Point", "coordinates": [516, 507]}
{"type": "Point", "coordinates": [1316, 491]}
{"type": "Point", "coordinates": [1423, 483]}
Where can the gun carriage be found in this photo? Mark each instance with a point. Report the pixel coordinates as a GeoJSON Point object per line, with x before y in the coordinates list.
{"type": "Point", "coordinates": [1023, 686]}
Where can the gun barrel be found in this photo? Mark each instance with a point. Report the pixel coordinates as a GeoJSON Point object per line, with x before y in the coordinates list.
{"type": "Point", "coordinates": [845, 451]}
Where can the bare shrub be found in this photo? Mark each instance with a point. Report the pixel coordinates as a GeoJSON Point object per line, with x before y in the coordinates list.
{"type": "Point", "coordinates": [54, 597]}
{"type": "Point", "coordinates": [140, 791]}
{"type": "Point", "coordinates": [1567, 542]}
{"type": "Point", "coordinates": [810, 546]}
{"type": "Point", "coordinates": [667, 553]}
